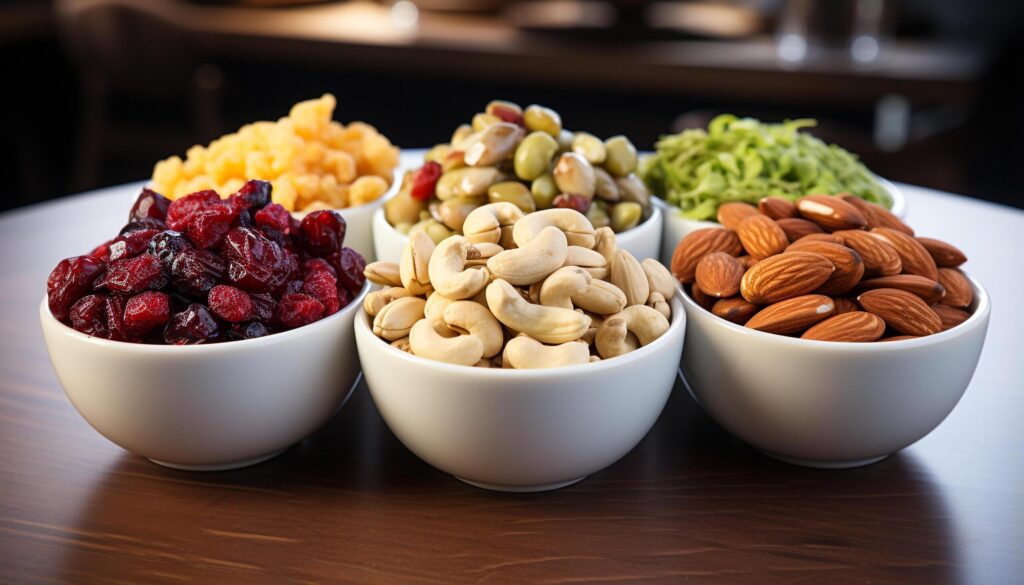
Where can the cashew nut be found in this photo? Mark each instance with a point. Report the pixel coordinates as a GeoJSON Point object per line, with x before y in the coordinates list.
{"type": "Point", "coordinates": [605, 243]}
{"type": "Point", "coordinates": [659, 278]}
{"type": "Point", "coordinates": [558, 289]}
{"type": "Point", "coordinates": [486, 223]}
{"type": "Point", "coordinates": [601, 297]}
{"type": "Point", "coordinates": [484, 250]}
{"type": "Point", "coordinates": [397, 317]}
{"type": "Point", "coordinates": [402, 344]}
{"type": "Point", "coordinates": [577, 228]}
{"type": "Point", "coordinates": [425, 342]}
{"type": "Point", "coordinates": [642, 321]}
{"type": "Point", "coordinates": [532, 261]}
{"type": "Point", "coordinates": [413, 266]}
{"type": "Point", "coordinates": [378, 299]}
{"type": "Point", "coordinates": [385, 273]}
{"type": "Point", "coordinates": [525, 352]}
{"type": "Point", "coordinates": [448, 273]}
{"type": "Point", "coordinates": [629, 276]}
{"type": "Point", "coordinates": [434, 308]}
{"type": "Point", "coordinates": [591, 261]}
{"type": "Point", "coordinates": [545, 324]}
{"type": "Point", "coordinates": [474, 319]}
{"type": "Point", "coordinates": [657, 302]}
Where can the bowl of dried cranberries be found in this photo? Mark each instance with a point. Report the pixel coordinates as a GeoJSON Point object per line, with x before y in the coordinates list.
{"type": "Point", "coordinates": [209, 333]}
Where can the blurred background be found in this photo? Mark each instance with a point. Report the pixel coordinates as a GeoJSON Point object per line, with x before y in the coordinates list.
{"type": "Point", "coordinates": [925, 91]}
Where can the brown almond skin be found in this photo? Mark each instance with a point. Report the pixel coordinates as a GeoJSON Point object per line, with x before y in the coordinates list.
{"type": "Point", "coordinates": [857, 326]}
{"type": "Point", "coordinates": [881, 217]}
{"type": "Point", "coordinates": [831, 213]}
{"type": "Point", "coordinates": [880, 258]}
{"type": "Point", "coordinates": [950, 316]}
{"type": "Point", "coordinates": [761, 236]}
{"type": "Point", "coordinates": [735, 309]}
{"type": "Point", "coordinates": [864, 208]}
{"type": "Point", "coordinates": [823, 237]}
{"type": "Point", "coordinates": [929, 290]}
{"type": "Point", "coordinates": [945, 255]}
{"type": "Point", "coordinates": [701, 298]}
{"type": "Point", "coordinates": [747, 261]}
{"type": "Point", "coordinates": [849, 267]}
{"type": "Point", "coordinates": [792, 315]}
{"type": "Point", "coordinates": [785, 276]}
{"type": "Point", "coordinates": [959, 293]}
{"type": "Point", "coordinates": [718, 274]}
{"type": "Point", "coordinates": [797, 228]}
{"type": "Point", "coordinates": [913, 256]}
{"type": "Point", "coordinates": [845, 305]}
{"type": "Point", "coordinates": [903, 311]}
{"type": "Point", "coordinates": [777, 207]}
{"type": "Point", "coordinates": [696, 244]}
{"type": "Point", "coordinates": [732, 213]}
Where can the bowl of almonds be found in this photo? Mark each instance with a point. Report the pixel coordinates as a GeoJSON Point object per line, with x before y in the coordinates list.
{"type": "Point", "coordinates": [523, 359]}
{"type": "Point", "coordinates": [830, 346]}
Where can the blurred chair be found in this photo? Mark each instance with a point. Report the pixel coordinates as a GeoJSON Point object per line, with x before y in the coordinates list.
{"type": "Point", "coordinates": [132, 52]}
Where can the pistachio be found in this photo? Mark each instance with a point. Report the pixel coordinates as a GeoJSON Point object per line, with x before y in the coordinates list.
{"type": "Point", "coordinates": [534, 155]}
{"type": "Point", "coordinates": [621, 156]}
{"type": "Point", "coordinates": [466, 182]}
{"type": "Point", "coordinates": [589, 147]}
{"type": "Point", "coordinates": [539, 118]}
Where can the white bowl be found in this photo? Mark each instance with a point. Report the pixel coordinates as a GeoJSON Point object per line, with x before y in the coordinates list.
{"type": "Point", "coordinates": [521, 430]}
{"type": "Point", "coordinates": [677, 226]}
{"type": "Point", "coordinates": [642, 241]}
{"type": "Point", "coordinates": [827, 404]}
{"type": "Point", "coordinates": [208, 407]}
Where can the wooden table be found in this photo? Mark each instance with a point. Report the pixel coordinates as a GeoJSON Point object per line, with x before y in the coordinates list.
{"type": "Point", "coordinates": [351, 504]}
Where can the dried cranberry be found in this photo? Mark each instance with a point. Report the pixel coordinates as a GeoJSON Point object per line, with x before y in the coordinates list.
{"type": "Point", "coordinates": [145, 312]}
{"type": "Point", "coordinates": [297, 309]}
{"type": "Point", "coordinates": [102, 252]}
{"type": "Point", "coordinates": [192, 326]}
{"type": "Point", "coordinates": [149, 205]}
{"type": "Point", "coordinates": [293, 286]}
{"type": "Point", "coordinates": [131, 244]}
{"type": "Point", "coordinates": [424, 180]}
{"type": "Point", "coordinates": [230, 304]}
{"type": "Point", "coordinates": [507, 114]}
{"type": "Point", "coordinates": [195, 272]}
{"type": "Point", "coordinates": [314, 264]}
{"type": "Point", "coordinates": [207, 227]}
{"type": "Point", "coordinates": [253, 195]}
{"type": "Point", "coordinates": [134, 275]}
{"type": "Point", "coordinates": [263, 305]}
{"type": "Point", "coordinates": [69, 281]}
{"type": "Point", "coordinates": [115, 318]}
{"type": "Point", "coordinates": [274, 216]}
{"type": "Point", "coordinates": [321, 232]}
{"type": "Point", "coordinates": [181, 209]}
{"type": "Point", "coordinates": [89, 315]}
{"type": "Point", "coordinates": [247, 330]}
{"type": "Point", "coordinates": [322, 286]}
{"type": "Point", "coordinates": [256, 264]}
{"type": "Point", "coordinates": [142, 225]}
{"type": "Point", "coordinates": [350, 265]}
{"type": "Point", "coordinates": [166, 246]}
{"type": "Point", "coordinates": [569, 201]}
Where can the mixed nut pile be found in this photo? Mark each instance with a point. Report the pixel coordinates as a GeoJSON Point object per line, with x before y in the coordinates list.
{"type": "Point", "coordinates": [828, 268]}
{"type": "Point", "coordinates": [523, 157]}
{"type": "Point", "coordinates": [537, 290]}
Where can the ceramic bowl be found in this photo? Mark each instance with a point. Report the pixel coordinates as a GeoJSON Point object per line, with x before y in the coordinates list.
{"type": "Point", "coordinates": [642, 241]}
{"type": "Point", "coordinates": [208, 407]}
{"type": "Point", "coordinates": [521, 430]}
{"type": "Point", "coordinates": [677, 226]}
{"type": "Point", "coordinates": [827, 404]}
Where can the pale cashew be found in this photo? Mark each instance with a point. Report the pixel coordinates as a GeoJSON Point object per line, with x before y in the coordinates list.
{"type": "Point", "coordinates": [629, 276]}
{"type": "Point", "coordinates": [448, 273]}
{"type": "Point", "coordinates": [642, 321]}
{"type": "Point", "coordinates": [483, 363]}
{"type": "Point", "coordinates": [533, 293]}
{"type": "Point", "coordinates": [525, 353]}
{"type": "Point", "coordinates": [558, 289]}
{"type": "Point", "coordinates": [613, 338]}
{"type": "Point", "coordinates": [595, 324]}
{"type": "Point", "coordinates": [533, 261]}
{"type": "Point", "coordinates": [659, 278]}
{"type": "Point", "coordinates": [486, 223]}
{"type": "Point", "coordinates": [545, 324]}
{"type": "Point", "coordinates": [601, 297]}
{"type": "Point", "coordinates": [425, 342]}
{"type": "Point", "coordinates": [378, 299]}
{"type": "Point", "coordinates": [577, 228]}
{"type": "Point", "coordinates": [401, 344]}
{"type": "Point", "coordinates": [397, 317]}
{"type": "Point", "coordinates": [605, 243]}
{"type": "Point", "coordinates": [413, 267]}
{"type": "Point", "coordinates": [657, 302]}
{"type": "Point", "coordinates": [474, 319]}
{"type": "Point", "coordinates": [385, 273]}
{"type": "Point", "coordinates": [484, 251]}
{"type": "Point", "coordinates": [591, 261]}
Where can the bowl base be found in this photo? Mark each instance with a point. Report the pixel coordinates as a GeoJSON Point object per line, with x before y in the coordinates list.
{"type": "Point", "coordinates": [520, 488]}
{"type": "Point", "coordinates": [824, 464]}
{"type": "Point", "coordinates": [219, 466]}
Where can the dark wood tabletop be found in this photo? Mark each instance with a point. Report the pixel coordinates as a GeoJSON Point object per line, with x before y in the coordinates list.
{"type": "Point", "coordinates": [351, 504]}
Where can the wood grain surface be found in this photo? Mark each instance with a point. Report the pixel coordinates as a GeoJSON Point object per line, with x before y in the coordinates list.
{"type": "Point", "coordinates": [351, 504]}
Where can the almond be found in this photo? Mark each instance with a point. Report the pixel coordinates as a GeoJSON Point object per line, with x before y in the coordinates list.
{"type": "Point", "coordinates": [823, 237]}
{"type": "Point", "coordinates": [864, 208]}
{"type": "Point", "coordinates": [797, 228]}
{"type": "Point", "coordinates": [929, 290]}
{"type": "Point", "coordinates": [849, 267]}
{"type": "Point", "coordinates": [718, 274]}
{"type": "Point", "coordinates": [761, 236]}
{"type": "Point", "coordinates": [903, 311]}
{"type": "Point", "coordinates": [785, 276]}
{"type": "Point", "coordinates": [776, 207]}
{"type": "Point", "coordinates": [747, 261]}
{"type": "Point", "coordinates": [831, 213]}
{"type": "Point", "coordinates": [736, 309]}
{"type": "Point", "coordinates": [880, 216]}
{"type": "Point", "coordinates": [913, 256]}
{"type": "Point", "coordinates": [945, 255]}
{"type": "Point", "coordinates": [701, 298]}
{"type": "Point", "coordinates": [699, 243]}
{"type": "Point", "coordinates": [732, 213]}
{"type": "Point", "coordinates": [879, 257]}
{"type": "Point", "coordinates": [857, 326]}
{"type": "Point", "coordinates": [792, 315]}
{"type": "Point", "coordinates": [950, 316]}
{"type": "Point", "coordinates": [958, 289]}
{"type": "Point", "coordinates": [845, 305]}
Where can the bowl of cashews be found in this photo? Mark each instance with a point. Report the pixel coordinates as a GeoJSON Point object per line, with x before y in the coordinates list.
{"type": "Point", "coordinates": [523, 357]}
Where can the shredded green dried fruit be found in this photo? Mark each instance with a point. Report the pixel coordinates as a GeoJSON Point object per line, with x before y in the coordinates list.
{"type": "Point", "coordinates": [743, 159]}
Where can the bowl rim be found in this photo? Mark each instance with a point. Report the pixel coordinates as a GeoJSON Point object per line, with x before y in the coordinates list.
{"type": "Point", "coordinates": [676, 326]}
{"type": "Point", "coordinates": [267, 340]}
{"type": "Point", "coordinates": [981, 313]}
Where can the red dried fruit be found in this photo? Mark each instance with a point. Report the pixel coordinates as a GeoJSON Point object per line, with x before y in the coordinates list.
{"type": "Point", "coordinates": [253, 195]}
{"type": "Point", "coordinates": [181, 209]}
{"type": "Point", "coordinates": [149, 205]}
{"type": "Point", "coordinates": [274, 216]}
{"type": "Point", "coordinates": [314, 264]}
{"type": "Point", "coordinates": [194, 325]}
{"type": "Point", "coordinates": [322, 286]}
{"type": "Point", "coordinates": [115, 318]}
{"type": "Point", "coordinates": [130, 245]}
{"type": "Point", "coordinates": [134, 275]}
{"type": "Point", "coordinates": [207, 227]}
{"type": "Point", "coordinates": [322, 232]}
{"type": "Point", "coordinates": [230, 303]}
{"type": "Point", "coordinates": [195, 272]}
{"type": "Point", "coordinates": [263, 305]}
{"type": "Point", "coordinates": [89, 315]}
{"type": "Point", "coordinates": [143, 224]}
{"type": "Point", "coordinates": [102, 252]}
{"type": "Point", "coordinates": [256, 264]}
{"type": "Point", "coordinates": [569, 201]}
{"type": "Point", "coordinates": [297, 309]}
{"type": "Point", "coordinates": [145, 312]}
{"type": "Point", "coordinates": [350, 265]}
{"type": "Point", "coordinates": [69, 281]}
{"type": "Point", "coordinates": [247, 331]}
{"type": "Point", "coordinates": [424, 181]}
{"type": "Point", "coordinates": [166, 246]}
